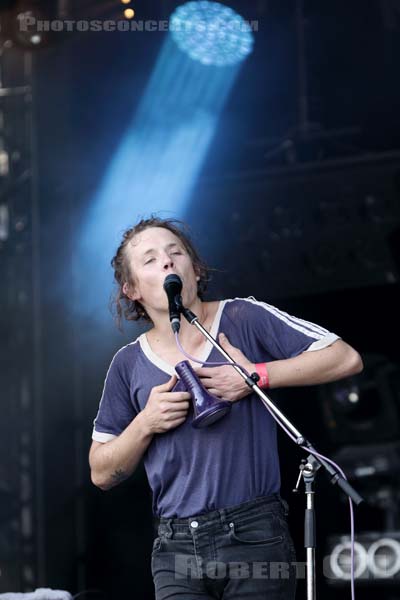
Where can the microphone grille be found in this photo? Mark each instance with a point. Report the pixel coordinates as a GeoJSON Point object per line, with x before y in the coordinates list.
{"type": "Point", "coordinates": [173, 281]}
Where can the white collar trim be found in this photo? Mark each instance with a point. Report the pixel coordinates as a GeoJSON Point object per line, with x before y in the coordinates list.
{"type": "Point", "coordinates": [204, 354]}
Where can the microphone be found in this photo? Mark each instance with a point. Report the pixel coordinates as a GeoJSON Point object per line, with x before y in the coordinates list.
{"type": "Point", "coordinates": [173, 287]}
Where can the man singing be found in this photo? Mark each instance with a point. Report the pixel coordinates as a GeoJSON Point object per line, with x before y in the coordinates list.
{"type": "Point", "coordinates": [222, 523]}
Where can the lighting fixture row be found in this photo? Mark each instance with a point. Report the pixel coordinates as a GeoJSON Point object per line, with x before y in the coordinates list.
{"type": "Point", "coordinates": [129, 13]}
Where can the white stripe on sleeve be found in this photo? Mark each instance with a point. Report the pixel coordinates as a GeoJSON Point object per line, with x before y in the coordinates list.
{"type": "Point", "coordinates": [297, 324]}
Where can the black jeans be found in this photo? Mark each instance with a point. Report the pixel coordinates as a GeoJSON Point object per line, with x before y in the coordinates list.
{"type": "Point", "coordinates": [236, 553]}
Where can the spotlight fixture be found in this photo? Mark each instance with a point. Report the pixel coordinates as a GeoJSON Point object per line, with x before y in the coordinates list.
{"type": "Point", "coordinates": [376, 555]}
{"type": "Point", "coordinates": [18, 25]}
{"type": "Point", "coordinates": [363, 409]}
{"type": "Point", "coordinates": [129, 13]}
{"type": "Point", "coordinates": [340, 561]}
{"type": "Point", "coordinates": [211, 33]}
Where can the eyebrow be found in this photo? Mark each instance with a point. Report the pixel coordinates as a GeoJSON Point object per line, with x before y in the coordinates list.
{"type": "Point", "coordinates": [168, 246]}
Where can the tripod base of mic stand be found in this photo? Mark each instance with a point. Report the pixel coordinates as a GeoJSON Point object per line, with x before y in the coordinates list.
{"type": "Point", "coordinates": [211, 415]}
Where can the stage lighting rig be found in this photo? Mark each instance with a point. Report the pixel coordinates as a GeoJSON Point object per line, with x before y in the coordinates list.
{"type": "Point", "coordinates": [211, 33]}
{"type": "Point", "coordinates": [20, 19]}
{"type": "Point", "coordinates": [376, 554]}
{"type": "Point", "coordinates": [129, 13]}
{"type": "Point", "coordinates": [364, 409]}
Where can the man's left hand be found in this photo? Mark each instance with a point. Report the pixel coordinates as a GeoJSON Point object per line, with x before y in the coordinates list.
{"type": "Point", "coordinates": [224, 381]}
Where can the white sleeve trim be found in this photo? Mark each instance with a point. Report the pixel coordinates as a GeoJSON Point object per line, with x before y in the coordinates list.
{"type": "Point", "coordinates": [105, 381]}
{"type": "Point", "coordinates": [324, 342]}
{"type": "Point", "coordinates": [98, 436]}
{"type": "Point", "coordinates": [306, 327]}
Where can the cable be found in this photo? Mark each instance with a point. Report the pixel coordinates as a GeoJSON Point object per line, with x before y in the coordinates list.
{"type": "Point", "coordinates": [87, 592]}
{"type": "Point", "coordinates": [308, 449]}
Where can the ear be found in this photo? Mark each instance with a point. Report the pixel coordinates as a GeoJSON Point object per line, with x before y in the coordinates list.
{"type": "Point", "coordinates": [129, 291]}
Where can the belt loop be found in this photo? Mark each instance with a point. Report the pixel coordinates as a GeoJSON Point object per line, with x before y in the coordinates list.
{"type": "Point", "coordinates": [222, 516]}
{"type": "Point", "coordinates": [285, 507]}
{"type": "Point", "coordinates": [224, 519]}
{"type": "Point", "coordinates": [168, 528]}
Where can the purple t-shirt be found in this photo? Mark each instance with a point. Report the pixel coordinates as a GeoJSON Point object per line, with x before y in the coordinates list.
{"type": "Point", "coordinates": [193, 471]}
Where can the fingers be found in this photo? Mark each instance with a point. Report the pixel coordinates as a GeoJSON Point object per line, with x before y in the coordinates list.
{"type": "Point", "coordinates": [173, 416]}
{"type": "Point", "coordinates": [207, 382]}
{"type": "Point", "coordinates": [206, 371]}
{"type": "Point", "coordinates": [177, 396]}
{"type": "Point", "coordinates": [214, 392]}
{"type": "Point", "coordinates": [174, 406]}
{"type": "Point", "coordinates": [223, 339]}
{"type": "Point", "coordinates": [213, 371]}
{"type": "Point", "coordinates": [211, 383]}
{"type": "Point", "coordinates": [176, 423]}
{"type": "Point", "coordinates": [166, 387]}
{"type": "Point", "coordinates": [165, 409]}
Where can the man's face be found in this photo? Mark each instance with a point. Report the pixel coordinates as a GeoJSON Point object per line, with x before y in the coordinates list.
{"type": "Point", "coordinates": [152, 255]}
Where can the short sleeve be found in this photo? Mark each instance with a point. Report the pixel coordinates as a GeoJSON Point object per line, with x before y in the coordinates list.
{"type": "Point", "coordinates": [283, 335]}
{"type": "Point", "coordinates": [116, 410]}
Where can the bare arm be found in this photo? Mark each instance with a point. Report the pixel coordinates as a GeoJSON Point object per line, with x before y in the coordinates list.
{"type": "Point", "coordinates": [320, 366]}
{"type": "Point", "coordinates": [114, 461]}
{"type": "Point", "coordinates": [335, 362]}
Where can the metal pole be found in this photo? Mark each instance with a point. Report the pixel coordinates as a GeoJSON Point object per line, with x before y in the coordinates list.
{"type": "Point", "coordinates": [309, 539]}
{"type": "Point", "coordinates": [37, 335]}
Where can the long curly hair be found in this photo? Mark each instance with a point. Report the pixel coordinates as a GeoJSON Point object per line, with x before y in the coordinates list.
{"type": "Point", "coordinates": [132, 310]}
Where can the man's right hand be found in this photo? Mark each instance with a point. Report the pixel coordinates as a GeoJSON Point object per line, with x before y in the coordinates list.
{"type": "Point", "coordinates": [165, 410]}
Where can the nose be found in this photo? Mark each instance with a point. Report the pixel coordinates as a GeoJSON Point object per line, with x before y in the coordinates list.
{"type": "Point", "coordinates": [168, 262]}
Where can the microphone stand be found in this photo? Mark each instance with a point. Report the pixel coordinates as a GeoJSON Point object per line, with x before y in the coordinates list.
{"type": "Point", "coordinates": [307, 470]}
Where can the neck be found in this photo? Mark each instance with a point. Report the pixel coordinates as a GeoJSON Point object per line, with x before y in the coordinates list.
{"type": "Point", "coordinates": [162, 326]}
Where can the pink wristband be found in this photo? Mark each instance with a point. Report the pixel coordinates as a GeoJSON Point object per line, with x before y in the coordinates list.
{"type": "Point", "coordinates": [261, 370]}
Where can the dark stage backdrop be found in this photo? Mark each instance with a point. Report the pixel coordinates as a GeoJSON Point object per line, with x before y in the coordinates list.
{"type": "Point", "coordinates": [321, 243]}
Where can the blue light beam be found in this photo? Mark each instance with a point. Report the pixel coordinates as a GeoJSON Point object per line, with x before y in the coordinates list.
{"type": "Point", "coordinates": [158, 162]}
